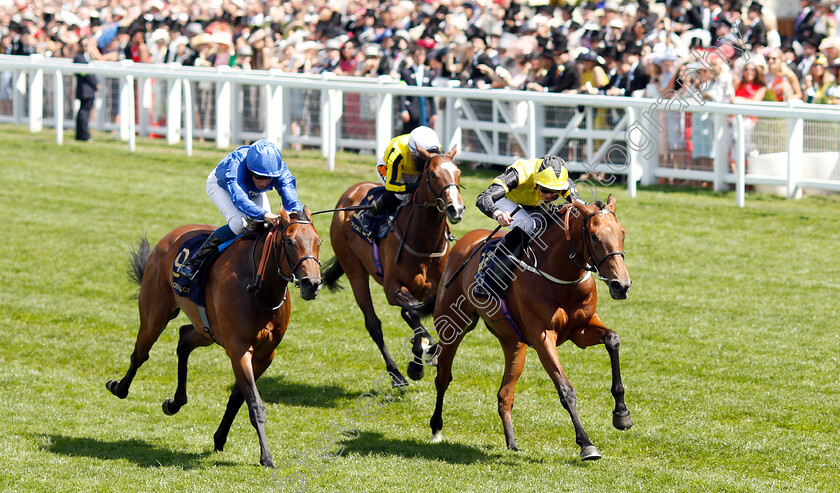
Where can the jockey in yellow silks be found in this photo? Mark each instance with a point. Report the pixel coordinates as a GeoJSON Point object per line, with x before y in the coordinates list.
{"type": "Point", "coordinates": [528, 183]}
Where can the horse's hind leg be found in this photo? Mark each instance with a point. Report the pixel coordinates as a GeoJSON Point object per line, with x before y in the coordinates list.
{"type": "Point", "coordinates": [450, 336]}
{"type": "Point", "coordinates": [596, 333]}
{"type": "Point", "coordinates": [361, 291]}
{"type": "Point", "coordinates": [514, 363]}
{"type": "Point", "coordinates": [153, 319]}
{"type": "Point", "coordinates": [547, 351]}
{"type": "Point", "coordinates": [189, 339]}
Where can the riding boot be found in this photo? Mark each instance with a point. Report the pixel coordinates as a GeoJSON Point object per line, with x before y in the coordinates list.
{"type": "Point", "coordinates": [497, 275]}
{"type": "Point", "coordinates": [191, 267]}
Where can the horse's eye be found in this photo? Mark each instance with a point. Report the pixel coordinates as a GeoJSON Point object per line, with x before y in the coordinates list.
{"type": "Point", "coordinates": [593, 236]}
{"type": "Point", "coordinates": [289, 242]}
{"type": "Point", "coordinates": [434, 175]}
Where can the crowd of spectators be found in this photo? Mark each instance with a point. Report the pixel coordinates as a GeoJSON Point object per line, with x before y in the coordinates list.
{"type": "Point", "coordinates": [624, 48]}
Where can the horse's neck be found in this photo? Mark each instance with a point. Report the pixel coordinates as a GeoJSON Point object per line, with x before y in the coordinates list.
{"type": "Point", "coordinates": [273, 286]}
{"type": "Point", "coordinates": [426, 227]}
{"type": "Point", "coordinates": [556, 258]}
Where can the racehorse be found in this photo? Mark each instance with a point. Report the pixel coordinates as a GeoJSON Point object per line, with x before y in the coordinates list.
{"type": "Point", "coordinates": [248, 325]}
{"type": "Point", "coordinates": [551, 300]}
{"type": "Point", "coordinates": [412, 255]}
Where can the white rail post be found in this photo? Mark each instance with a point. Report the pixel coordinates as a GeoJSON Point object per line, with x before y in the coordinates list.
{"type": "Point", "coordinates": [58, 106]}
{"type": "Point", "coordinates": [721, 144]}
{"type": "Point", "coordinates": [19, 93]}
{"type": "Point", "coordinates": [740, 164]}
{"type": "Point", "coordinates": [635, 155]}
{"type": "Point", "coordinates": [36, 96]}
{"type": "Point", "coordinates": [223, 107]}
{"type": "Point", "coordinates": [384, 117]}
{"type": "Point", "coordinates": [532, 129]}
{"type": "Point", "coordinates": [173, 109]}
{"type": "Point", "coordinates": [144, 86]}
{"type": "Point", "coordinates": [126, 101]}
{"type": "Point", "coordinates": [132, 126]}
{"type": "Point", "coordinates": [795, 133]}
{"type": "Point", "coordinates": [275, 111]}
{"type": "Point", "coordinates": [237, 108]}
{"type": "Point", "coordinates": [453, 131]}
{"type": "Point", "coordinates": [189, 114]}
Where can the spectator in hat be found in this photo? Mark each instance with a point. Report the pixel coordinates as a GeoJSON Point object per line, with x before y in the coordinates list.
{"type": "Point", "coordinates": [818, 81]}
{"type": "Point", "coordinates": [804, 23]}
{"type": "Point", "coordinates": [417, 111]}
{"type": "Point", "coordinates": [825, 22]}
{"type": "Point", "coordinates": [833, 92]}
{"type": "Point", "coordinates": [757, 32]}
{"type": "Point", "coordinates": [477, 77]}
{"type": "Point", "coordinates": [137, 50]}
{"type": "Point", "coordinates": [636, 77]}
{"type": "Point", "coordinates": [333, 58]}
{"type": "Point", "coordinates": [592, 76]}
{"type": "Point", "coordinates": [809, 55]}
{"type": "Point", "coordinates": [830, 47]}
{"type": "Point", "coordinates": [86, 87]}
{"type": "Point", "coordinates": [790, 55]}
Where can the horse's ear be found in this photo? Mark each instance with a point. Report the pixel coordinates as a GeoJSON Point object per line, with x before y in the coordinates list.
{"type": "Point", "coordinates": [452, 152]}
{"type": "Point", "coordinates": [611, 203]}
{"type": "Point", "coordinates": [284, 216]}
{"type": "Point", "coordinates": [306, 214]}
{"type": "Point", "coordinates": [423, 153]}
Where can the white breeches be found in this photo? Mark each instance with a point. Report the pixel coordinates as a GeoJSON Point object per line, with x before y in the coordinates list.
{"type": "Point", "coordinates": [235, 218]}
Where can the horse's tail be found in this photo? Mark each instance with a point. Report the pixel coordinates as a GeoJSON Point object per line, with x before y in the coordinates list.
{"type": "Point", "coordinates": [331, 272]}
{"type": "Point", "coordinates": [427, 309]}
{"type": "Point", "coordinates": [138, 261]}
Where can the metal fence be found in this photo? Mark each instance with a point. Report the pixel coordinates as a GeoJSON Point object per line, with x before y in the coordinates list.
{"type": "Point", "coordinates": [785, 148]}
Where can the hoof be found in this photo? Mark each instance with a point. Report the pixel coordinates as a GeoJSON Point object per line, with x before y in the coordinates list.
{"type": "Point", "coordinates": [397, 380]}
{"type": "Point", "coordinates": [170, 407]}
{"type": "Point", "coordinates": [590, 453]}
{"type": "Point", "coordinates": [622, 421]}
{"type": "Point", "coordinates": [436, 437]}
{"type": "Point", "coordinates": [112, 385]}
{"type": "Point", "coordinates": [267, 463]}
{"type": "Point", "coordinates": [513, 448]}
{"type": "Point", "coordinates": [415, 371]}
{"type": "Point", "coordinates": [219, 443]}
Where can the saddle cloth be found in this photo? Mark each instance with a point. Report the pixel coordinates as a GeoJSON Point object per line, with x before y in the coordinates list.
{"type": "Point", "coordinates": [194, 290]}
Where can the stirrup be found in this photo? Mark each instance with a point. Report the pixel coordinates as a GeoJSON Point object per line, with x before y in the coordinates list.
{"type": "Point", "coordinates": [185, 271]}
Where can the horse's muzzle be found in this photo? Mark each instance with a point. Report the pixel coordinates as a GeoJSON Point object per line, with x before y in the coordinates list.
{"type": "Point", "coordinates": [618, 289]}
{"type": "Point", "coordinates": [455, 212]}
{"type": "Point", "coordinates": [309, 288]}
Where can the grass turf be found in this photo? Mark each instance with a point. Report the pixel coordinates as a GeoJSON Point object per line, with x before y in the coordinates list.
{"type": "Point", "coordinates": [729, 349]}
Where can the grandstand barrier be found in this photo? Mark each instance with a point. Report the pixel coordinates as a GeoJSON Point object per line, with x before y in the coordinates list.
{"type": "Point", "coordinates": [777, 147]}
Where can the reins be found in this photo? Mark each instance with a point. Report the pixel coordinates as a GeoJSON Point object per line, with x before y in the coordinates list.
{"type": "Point", "coordinates": [588, 252]}
{"type": "Point", "coordinates": [438, 204]}
{"type": "Point", "coordinates": [259, 272]}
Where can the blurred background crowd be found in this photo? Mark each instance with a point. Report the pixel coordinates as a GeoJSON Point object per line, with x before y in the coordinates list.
{"type": "Point", "coordinates": [610, 47]}
{"type": "Point", "coordinates": [726, 50]}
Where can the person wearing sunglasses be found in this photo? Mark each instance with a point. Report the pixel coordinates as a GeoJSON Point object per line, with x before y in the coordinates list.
{"type": "Point", "coordinates": [516, 198]}
{"type": "Point", "coordinates": [238, 186]}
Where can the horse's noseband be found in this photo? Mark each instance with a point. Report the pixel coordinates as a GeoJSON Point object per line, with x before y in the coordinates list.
{"type": "Point", "coordinates": [292, 267]}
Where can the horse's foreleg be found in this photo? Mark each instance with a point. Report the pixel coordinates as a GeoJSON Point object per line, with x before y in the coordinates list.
{"type": "Point", "coordinates": [597, 333]}
{"type": "Point", "coordinates": [189, 339]}
{"type": "Point", "coordinates": [234, 403]}
{"type": "Point", "coordinates": [361, 291]}
{"type": "Point", "coordinates": [547, 351]}
{"type": "Point", "coordinates": [514, 363]}
{"type": "Point", "coordinates": [451, 333]}
{"type": "Point", "coordinates": [152, 322]}
{"type": "Point", "coordinates": [240, 357]}
{"type": "Point", "coordinates": [421, 342]}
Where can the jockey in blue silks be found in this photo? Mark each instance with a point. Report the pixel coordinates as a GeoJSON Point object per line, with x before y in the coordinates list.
{"type": "Point", "coordinates": [238, 187]}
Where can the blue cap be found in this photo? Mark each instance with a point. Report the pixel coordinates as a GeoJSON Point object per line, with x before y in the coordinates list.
{"type": "Point", "coordinates": [264, 159]}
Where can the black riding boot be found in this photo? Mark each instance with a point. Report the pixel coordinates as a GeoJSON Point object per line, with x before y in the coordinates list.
{"type": "Point", "coordinates": [190, 268]}
{"type": "Point", "coordinates": [496, 277]}
{"type": "Point", "coordinates": [385, 203]}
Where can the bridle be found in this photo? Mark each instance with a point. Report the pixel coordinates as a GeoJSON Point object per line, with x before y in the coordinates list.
{"type": "Point", "coordinates": [439, 203]}
{"type": "Point", "coordinates": [292, 266]}
{"type": "Point", "coordinates": [588, 251]}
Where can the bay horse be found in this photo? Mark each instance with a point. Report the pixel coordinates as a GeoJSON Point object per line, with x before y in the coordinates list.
{"type": "Point", "coordinates": [248, 326]}
{"type": "Point", "coordinates": [551, 300]}
{"type": "Point", "coordinates": [417, 239]}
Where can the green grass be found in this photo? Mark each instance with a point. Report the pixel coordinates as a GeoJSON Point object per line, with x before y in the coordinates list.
{"type": "Point", "coordinates": [729, 349]}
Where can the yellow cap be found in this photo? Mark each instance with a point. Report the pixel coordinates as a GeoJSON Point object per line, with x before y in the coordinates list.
{"type": "Point", "coordinates": [551, 178]}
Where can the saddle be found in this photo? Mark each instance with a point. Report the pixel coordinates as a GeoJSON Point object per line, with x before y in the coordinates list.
{"type": "Point", "coordinates": [194, 290]}
{"type": "Point", "coordinates": [372, 228]}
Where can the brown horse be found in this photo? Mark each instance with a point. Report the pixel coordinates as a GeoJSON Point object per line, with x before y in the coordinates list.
{"type": "Point", "coordinates": [249, 326]}
{"type": "Point", "coordinates": [412, 254]}
{"type": "Point", "coordinates": [551, 300]}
